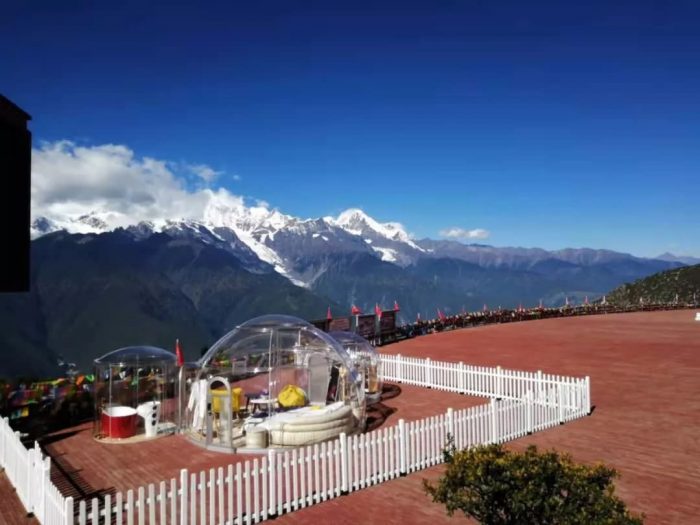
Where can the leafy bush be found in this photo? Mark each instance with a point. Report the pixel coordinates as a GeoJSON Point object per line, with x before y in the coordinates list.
{"type": "Point", "coordinates": [497, 486]}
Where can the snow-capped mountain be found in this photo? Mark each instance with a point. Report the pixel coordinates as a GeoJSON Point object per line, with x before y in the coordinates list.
{"type": "Point", "coordinates": [388, 240]}
{"type": "Point", "coordinates": [262, 236]}
{"type": "Point", "coordinates": [305, 250]}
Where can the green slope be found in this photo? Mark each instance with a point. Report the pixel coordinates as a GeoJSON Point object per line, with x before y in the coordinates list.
{"type": "Point", "coordinates": [661, 287]}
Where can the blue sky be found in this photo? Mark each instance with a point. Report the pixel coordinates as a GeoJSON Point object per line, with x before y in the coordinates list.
{"type": "Point", "coordinates": [547, 124]}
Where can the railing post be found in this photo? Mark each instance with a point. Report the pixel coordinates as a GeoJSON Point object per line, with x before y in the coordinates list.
{"type": "Point", "coordinates": [588, 395]}
{"type": "Point", "coordinates": [494, 421]}
{"type": "Point", "coordinates": [272, 481]}
{"type": "Point", "coordinates": [184, 507]}
{"type": "Point", "coordinates": [403, 450]}
{"type": "Point", "coordinates": [538, 391]}
{"type": "Point", "coordinates": [529, 414]}
{"type": "Point", "coordinates": [68, 511]}
{"type": "Point", "coordinates": [428, 376]}
{"type": "Point", "coordinates": [560, 401]}
{"type": "Point", "coordinates": [29, 492]}
{"type": "Point", "coordinates": [399, 374]}
{"type": "Point", "coordinates": [3, 434]}
{"type": "Point", "coordinates": [462, 379]}
{"type": "Point", "coordinates": [40, 500]}
{"type": "Point", "coordinates": [343, 463]}
{"type": "Point", "coordinates": [499, 383]}
{"type": "Point", "coordinates": [450, 418]}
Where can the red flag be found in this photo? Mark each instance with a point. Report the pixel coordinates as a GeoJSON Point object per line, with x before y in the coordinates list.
{"type": "Point", "coordinates": [441, 316]}
{"type": "Point", "coordinates": [377, 310]}
{"type": "Point", "coordinates": [178, 353]}
{"type": "Point", "coordinates": [328, 314]}
{"type": "Point", "coordinates": [396, 306]}
{"type": "Point", "coordinates": [355, 310]}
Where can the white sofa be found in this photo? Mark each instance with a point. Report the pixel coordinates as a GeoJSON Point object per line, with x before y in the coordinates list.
{"type": "Point", "coordinates": [307, 425]}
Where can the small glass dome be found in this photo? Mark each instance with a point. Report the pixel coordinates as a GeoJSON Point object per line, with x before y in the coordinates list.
{"type": "Point", "coordinates": [366, 361]}
{"type": "Point", "coordinates": [135, 394]}
{"type": "Point", "coordinates": [274, 381]}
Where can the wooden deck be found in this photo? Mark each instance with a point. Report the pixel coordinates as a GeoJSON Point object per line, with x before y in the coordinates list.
{"type": "Point", "coordinates": [644, 370]}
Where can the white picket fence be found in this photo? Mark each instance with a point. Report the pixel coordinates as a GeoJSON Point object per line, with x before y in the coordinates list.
{"type": "Point", "coordinates": [569, 393]}
{"type": "Point", "coordinates": [30, 473]}
{"type": "Point", "coordinates": [284, 481]}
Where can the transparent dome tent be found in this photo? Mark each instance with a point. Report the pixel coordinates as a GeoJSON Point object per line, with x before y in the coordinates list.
{"type": "Point", "coordinates": [366, 361]}
{"type": "Point", "coordinates": [135, 394]}
{"type": "Point", "coordinates": [274, 381]}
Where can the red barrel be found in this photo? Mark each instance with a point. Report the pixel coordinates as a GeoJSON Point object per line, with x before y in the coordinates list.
{"type": "Point", "coordinates": [118, 422]}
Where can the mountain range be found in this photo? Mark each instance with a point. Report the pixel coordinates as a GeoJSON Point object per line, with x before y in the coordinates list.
{"type": "Point", "coordinates": [102, 280]}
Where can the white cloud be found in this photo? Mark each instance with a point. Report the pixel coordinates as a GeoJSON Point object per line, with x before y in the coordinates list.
{"type": "Point", "coordinates": [204, 172]}
{"type": "Point", "coordinates": [69, 180]}
{"type": "Point", "coordinates": [462, 234]}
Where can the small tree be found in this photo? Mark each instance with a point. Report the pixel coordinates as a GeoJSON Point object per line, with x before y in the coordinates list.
{"type": "Point", "coordinates": [497, 486]}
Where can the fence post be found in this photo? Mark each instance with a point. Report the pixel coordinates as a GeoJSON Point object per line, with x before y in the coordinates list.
{"type": "Point", "coordinates": [45, 478]}
{"type": "Point", "coordinates": [184, 507]}
{"type": "Point", "coordinates": [499, 383]}
{"type": "Point", "coordinates": [3, 434]}
{"type": "Point", "coordinates": [403, 451]}
{"type": "Point", "coordinates": [399, 375]}
{"type": "Point", "coordinates": [343, 463]}
{"type": "Point", "coordinates": [588, 395]}
{"type": "Point", "coordinates": [462, 384]}
{"type": "Point", "coordinates": [29, 492]}
{"type": "Point", "coordinates": [272, 481]}
{"type": "Point", "coordinates": [560, 401]}
{"type": "Point", "coordinates": [494, 420]}
{"type": "Point", "coordinates": [529, 414]}
{"type": "Point", "coordinates": [450, 418]}
{"type": "Point", "coordinates": [68, 511]}
{"type": "Point", "coordinates": [538, 395]}
{"type": "Point", "coordinates": [428, 373]}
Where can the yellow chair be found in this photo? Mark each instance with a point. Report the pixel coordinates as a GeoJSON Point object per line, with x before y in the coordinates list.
{"type": "Point", "coordinates": [219, 394]}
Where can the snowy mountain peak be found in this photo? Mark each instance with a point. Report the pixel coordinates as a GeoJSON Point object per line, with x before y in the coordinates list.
{"type": "Point", "coordinates": [227, 211]}
{"type": "Point", "coordinates": [357, 222]}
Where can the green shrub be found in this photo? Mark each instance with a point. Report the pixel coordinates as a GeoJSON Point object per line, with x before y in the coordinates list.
{"type": "Point", "coordinates": [497, 486]}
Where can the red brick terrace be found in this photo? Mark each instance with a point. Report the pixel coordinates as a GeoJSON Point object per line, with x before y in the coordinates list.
{"type": "Point", "coordinates": [644, 370]}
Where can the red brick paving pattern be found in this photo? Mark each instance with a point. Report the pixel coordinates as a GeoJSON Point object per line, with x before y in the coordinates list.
{"type": "Point", "coordinates": [645, 385]}
{"type": "Point", "coordinates": [645, 375]}
{"type": "Point", "coordinates": [11, 509]}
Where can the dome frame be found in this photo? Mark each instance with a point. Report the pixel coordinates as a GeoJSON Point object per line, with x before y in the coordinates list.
{"type": "Point", "coordinates": [248, 375]}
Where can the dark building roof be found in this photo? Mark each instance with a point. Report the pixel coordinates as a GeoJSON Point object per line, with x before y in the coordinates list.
{"type": "Point", "coordinates": [13, 114]}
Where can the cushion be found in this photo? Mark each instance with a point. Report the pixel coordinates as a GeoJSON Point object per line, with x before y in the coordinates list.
{"type": "Point", "coordinates": [291, 396]}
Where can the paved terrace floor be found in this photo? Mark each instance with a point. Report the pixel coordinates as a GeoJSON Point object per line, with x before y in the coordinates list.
{"type": "Point", "coordinates": [645, 375]}
{"type": "Point", "coordinates": [645, 385]}
{"type": "Point", "coordinates": [83, 467]}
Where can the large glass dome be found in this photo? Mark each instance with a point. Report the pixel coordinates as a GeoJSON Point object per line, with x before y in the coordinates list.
{"type": "Point", "coordinates": [135, 394]}
{"type": "Point", "coordinates": [366, 361]}
{"type": "Point", "coordinates": [274, 381]}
